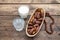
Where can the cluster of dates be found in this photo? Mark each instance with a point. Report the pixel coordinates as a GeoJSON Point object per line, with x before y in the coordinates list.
{"type": "Point", "coordinates": [35, 22]}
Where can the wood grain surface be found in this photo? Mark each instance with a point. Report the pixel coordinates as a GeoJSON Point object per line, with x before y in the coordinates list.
{"type": "Point", "coordinates": [54, 9]}
{"type": "Point", "coordinates": [9, 11]}
{"type": "Point", "coordinates": [29, 1]}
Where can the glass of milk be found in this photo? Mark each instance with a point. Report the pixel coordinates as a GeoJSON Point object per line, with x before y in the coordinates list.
{"type": "Point", "coordinates": [23, 11]}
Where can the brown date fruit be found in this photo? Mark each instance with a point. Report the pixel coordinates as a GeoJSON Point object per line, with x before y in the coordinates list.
{"type": "Point", "coordinates": [34, 21]}
{"type": "Point", "coordinates": [28, 30]}
{"type": "Point", "coordinates": [30, 27]}
{"type": "Point", "coordinates": [30, 24]}
{"type": "Point", "coordinates": [41, 15]}
{"type": "Point", "coordinates": [37, 28]}
{"type": "Point", "coordinates": [40, 19]}
{"type": "Point", "coordinates": [38, 22]}
{"type": "Point", "coordinates": [34, 32]}
{"type": "Point", "coordinates": [36, 25]}
{"type": "Point", "coordinates": [37, 15]}
{"type": "Point", "coordinates": [31, 31]}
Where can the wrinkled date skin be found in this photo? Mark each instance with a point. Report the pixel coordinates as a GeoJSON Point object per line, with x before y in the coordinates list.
{"type": "Point", "coordinates": [35, 22]}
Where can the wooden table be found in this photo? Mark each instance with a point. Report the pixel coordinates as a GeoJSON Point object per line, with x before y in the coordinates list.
{"type": "Point", "coordinates": [9, 11]}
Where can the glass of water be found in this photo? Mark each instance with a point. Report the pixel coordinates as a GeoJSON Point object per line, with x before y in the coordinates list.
{"type": "Point", "coordinates": [18, 24]}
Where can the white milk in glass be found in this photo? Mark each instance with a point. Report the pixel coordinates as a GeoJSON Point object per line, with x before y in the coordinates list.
{"type": "Point", "coordinates": [23, 11]}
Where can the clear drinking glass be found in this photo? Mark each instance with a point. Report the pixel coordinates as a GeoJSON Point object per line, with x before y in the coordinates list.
{"type": "Point", "coordinates": [18, 24]}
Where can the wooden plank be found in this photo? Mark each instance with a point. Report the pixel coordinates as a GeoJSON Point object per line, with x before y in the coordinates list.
{"type": "Point", "coordinates": [29, 1]}
{"type": "Point", "coordinates": [22, 36]}
{"type": "Point", "coordinates": [54, 9]}
{"type": "Point", "coordinates": [15, 1]}
{"type": "Point", "coordinates": [46, 1]}
{"type": "Point", "coordinates": [6, 22]}
{"type": "Point", "coordinates": [9, 17]}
